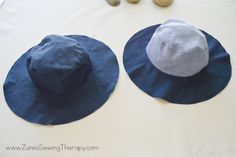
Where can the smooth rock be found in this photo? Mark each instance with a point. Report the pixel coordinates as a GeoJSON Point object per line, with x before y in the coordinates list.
{"type": "Point", "coordinates": [163, 3]}
{"type": "Point", "coordinates": [133, 1]}
{"type": "Point", "coordinates": [113, 2]}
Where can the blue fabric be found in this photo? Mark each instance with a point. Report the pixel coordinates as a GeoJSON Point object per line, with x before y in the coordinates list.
{"type": "Point", "coordinates": [52, 108]}
{"type": "Point", "coordinates": [181, 90]}
{"type": "Point", "coordinates": [57, 64]}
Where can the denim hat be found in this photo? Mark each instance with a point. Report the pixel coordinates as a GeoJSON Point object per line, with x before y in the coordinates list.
{"type": "Point", "coordinates": [62, 79]}
{"type": "Point", "coordinates": [177, 62]}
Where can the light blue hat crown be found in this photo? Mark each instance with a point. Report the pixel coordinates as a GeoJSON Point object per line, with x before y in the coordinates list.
{"type": "Point", "coordinates": [179, 49]}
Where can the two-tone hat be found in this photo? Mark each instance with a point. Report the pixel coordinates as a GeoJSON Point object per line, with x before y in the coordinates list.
{"type": "Point", "coordinates": [177, 62]}
{"type": "Point", "coordinates": [62, 79]}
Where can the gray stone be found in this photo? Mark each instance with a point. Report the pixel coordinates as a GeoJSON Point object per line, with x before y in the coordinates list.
{"type": "Point", "coordinates": [113, 2]}
{"type": "Point", "coordinates": [163, 3]}
{"type": "Point", "coordinates": [133, 1]}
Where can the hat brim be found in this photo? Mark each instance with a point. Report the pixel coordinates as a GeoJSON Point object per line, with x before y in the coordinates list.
{"type": "Point", "coordinates": [25, 101]}
{"type": "Point", "coordinates": [181, 90]}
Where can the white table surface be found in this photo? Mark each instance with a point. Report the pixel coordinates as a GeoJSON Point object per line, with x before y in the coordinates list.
{"type": "Point", "coordinates": [130, 123]}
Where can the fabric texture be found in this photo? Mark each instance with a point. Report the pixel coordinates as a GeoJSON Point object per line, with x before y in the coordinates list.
{"type": "Point", "coordinates": [62, 79]}
{"type": "Point", "coordinates": [181, 90]}
{"type": "Point", "coordinates": [177, 48]}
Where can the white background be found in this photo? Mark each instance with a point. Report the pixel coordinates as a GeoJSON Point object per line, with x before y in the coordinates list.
{"type": "Point", "coordinates": [130, 123]}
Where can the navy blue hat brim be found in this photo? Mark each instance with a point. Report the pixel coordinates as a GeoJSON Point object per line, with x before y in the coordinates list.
{"type": "Point", "coordinates": [181, 90]}
{"type": "Point", "coordinates": [25, 101]}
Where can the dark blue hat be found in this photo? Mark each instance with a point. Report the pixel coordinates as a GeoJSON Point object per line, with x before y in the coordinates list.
{"type": "Point", "coordinates": [176, 62]}
{"type": "Point", "coordinates": [62, 79]}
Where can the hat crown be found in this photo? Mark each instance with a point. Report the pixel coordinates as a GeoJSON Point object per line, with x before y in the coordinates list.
{"type": "Point", "coordinates": [177, 48]}
{"type": "Point", "coordinates": [58, 63]}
